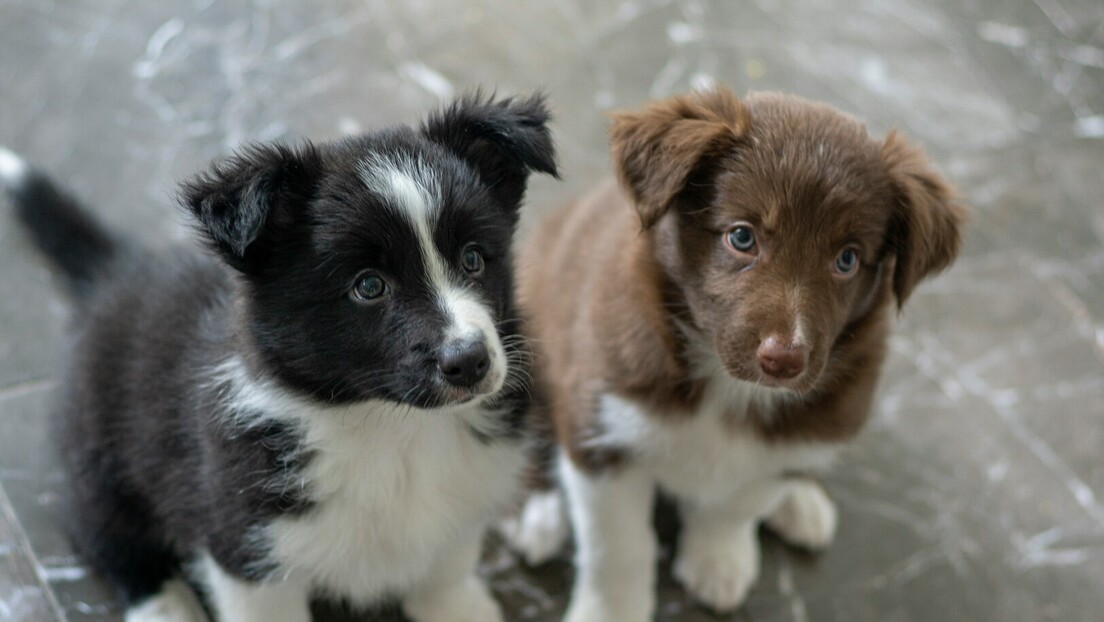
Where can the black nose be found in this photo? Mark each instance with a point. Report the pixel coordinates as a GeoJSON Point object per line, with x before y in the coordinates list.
{"type": "Point", "coordinates": [464, 363]}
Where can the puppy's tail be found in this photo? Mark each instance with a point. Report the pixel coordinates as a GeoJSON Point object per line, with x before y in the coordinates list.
{"type": "Point", "coordinates": [80, 246]}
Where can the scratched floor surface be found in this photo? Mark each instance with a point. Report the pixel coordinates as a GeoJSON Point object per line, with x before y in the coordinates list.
{"type": "Point", "coordinates": [977, 492]}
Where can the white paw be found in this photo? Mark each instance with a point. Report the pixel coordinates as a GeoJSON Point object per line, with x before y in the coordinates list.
{"type": "Point", "coordinates": [541, 530]}
{"type": "Point", "coordinates": [176, 602]}
{"type": "Point", "coordinates": [806, 518]}
{"type": "Point", "coordinates": [719, 571]}
{"type": "Point", "coordinates": [589, 604]}
{"type": "Point", "coordinates": [468, 602]}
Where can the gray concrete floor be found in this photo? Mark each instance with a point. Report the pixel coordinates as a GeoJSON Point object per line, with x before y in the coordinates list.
{"type": "Point", "coordinates": [977, 492]}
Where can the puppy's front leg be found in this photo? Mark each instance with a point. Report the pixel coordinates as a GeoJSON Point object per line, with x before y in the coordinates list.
{"type": "Point", "coordinates": [615, 547]}
{"type": "Point", "coordinates": [453, 592]}
{"type": "Point", "coordinates": [807, 517]}
{"type": "Point", "coordinates": [718, 556]}
{"type": "Point", "coordinates": [235, 600]}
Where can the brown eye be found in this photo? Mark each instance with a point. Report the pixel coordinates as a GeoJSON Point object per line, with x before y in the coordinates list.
{"type": "Point", "coordinates": [741, 239]}
{"type": "Point", "coordinates": [846, 262]}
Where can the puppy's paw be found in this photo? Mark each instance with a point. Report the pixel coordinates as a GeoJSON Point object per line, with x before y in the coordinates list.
{"type": "Point", "coordinates": [806, 518]}
{"type": "Point", "coordinates": [174, 603]}
{"type": "Point", "coordinates": [468, 602]}
{"type": "Point", "coordinates": [541, 530]}
{"type": "Point", "coordinates": [589, 604]}
{"type": "Point", "coordinates": [718, 572]}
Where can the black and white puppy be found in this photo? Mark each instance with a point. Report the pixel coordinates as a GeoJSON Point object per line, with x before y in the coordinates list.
{"type": "Point", "coordinates": [331, 402]}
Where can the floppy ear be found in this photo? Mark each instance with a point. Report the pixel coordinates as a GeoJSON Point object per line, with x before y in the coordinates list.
{"type": "Point", "coordinates": [502, 139]}
{"type": "Point", "coordinates": [655, 150]}
{"type": "Point", "coordinates": [243, 202]}
{"type": "Point", "coordinates": [925, 230]}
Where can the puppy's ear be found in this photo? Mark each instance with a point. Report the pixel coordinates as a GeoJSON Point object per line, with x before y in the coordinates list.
{"type": "Point", "coordinates": [655, 150]}
{"type": "Point", "coordinates": [925, 230]}
{"type": "Point", "coordinates": [243, 203]}
{"type": "Point", "coordinates": [502, 139]}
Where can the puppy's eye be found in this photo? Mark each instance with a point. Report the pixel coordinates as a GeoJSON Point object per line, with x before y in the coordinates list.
{"type": "Point", "coordinates": [368, 288]}
{"type": "Point", "coordinates": [741, 239]}
{"type": "Point", "coordinates": [846, 262]}
{"type": "Point", "coordinates": [471, 259]}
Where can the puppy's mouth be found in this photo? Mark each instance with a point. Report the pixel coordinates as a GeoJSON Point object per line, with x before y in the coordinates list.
{"type": "Point", "coordinates": [798, 384]}
{"type": "Point", "coordinates": [453, 395]}
{"type": "Point", "coordinates": [434, 392]}
{"type": "Point", "coordinates": [447, 397]}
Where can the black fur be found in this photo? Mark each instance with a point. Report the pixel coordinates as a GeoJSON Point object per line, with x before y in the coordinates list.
{"type": "Point", "coordinates": [503, 139]}
{"type": "Point", "coordinates": [159, 464]}
{"type": "Point", "coordinates": [78, 245]}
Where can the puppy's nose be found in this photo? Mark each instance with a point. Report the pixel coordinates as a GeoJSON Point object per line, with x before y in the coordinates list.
{"type": "Point", "coordinates": [782, 359]}
{"type": "Point", "coordinates": [464, 363]}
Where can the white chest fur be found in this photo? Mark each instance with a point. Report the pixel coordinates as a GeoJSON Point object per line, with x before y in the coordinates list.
{"type": "Point", "coordinates": [711, 454]}
{"type": "Point", "coordinates": [393, 494]}
{"type": "Point", "coordinates": [394, 490]}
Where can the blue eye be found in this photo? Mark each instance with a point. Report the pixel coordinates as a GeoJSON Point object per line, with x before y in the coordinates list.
{"type": "Point", "coordinates": [471, 260]}
{"type": "Point", "coordinates": [369, 287]}
{"type": "Point", "coordinates": [847, 261]}
{"type": "Point", "coordinates": [741, 239]}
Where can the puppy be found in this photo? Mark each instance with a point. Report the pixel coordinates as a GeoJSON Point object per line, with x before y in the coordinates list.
{"type": "Point", "coordinates": [329, 401]}
{"type": "Point", "coordinates": [714, 328]}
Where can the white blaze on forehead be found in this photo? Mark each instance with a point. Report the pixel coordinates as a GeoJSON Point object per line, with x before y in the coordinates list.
{"type": "Point", "coordinates": [413, 189]}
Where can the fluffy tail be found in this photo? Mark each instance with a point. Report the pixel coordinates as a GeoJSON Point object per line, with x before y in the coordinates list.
{"type": "Point", "coordinates": [63, 230]}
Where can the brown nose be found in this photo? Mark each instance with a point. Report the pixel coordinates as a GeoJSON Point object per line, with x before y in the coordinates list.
{"type": "Point", "coordinates": [781, 359]}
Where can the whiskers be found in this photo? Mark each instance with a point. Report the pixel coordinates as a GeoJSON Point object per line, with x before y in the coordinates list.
{"type": "Point", "coordinates": [519, 365]}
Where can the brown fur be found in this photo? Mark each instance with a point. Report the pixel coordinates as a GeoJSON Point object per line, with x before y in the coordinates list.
{"type": "Point", "coordinates": [607, 282]}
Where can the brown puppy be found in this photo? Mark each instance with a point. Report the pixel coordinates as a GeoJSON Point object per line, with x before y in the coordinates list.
{"type": "Point", "coordinates": [714, 326]}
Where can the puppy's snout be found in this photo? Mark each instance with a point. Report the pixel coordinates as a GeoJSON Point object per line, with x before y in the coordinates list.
{"type": "Point", "coordinates": [464, 363]}
{"type": "Point", "coordinates": [782, 359]}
